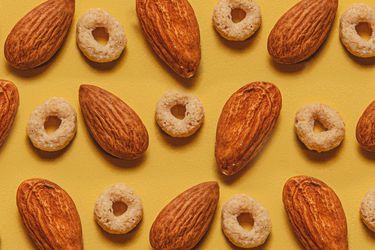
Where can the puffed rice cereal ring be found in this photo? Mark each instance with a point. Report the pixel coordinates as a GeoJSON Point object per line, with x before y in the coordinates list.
{"type": "Point", "coordinates": [92, 49]}
{"type": "Point", "coordinates": [105, 214]}
{"type": "Point", "coordinates": [354, 43]}
{"type": "Point", "coordinates": [331, 121]}
{"type": "Point", "coordinates": [173, 126]}
{"type": "Point", "coordinates": [367, 210]}
{"type": "Point", "coordinates": [242, 204]}
{"type": "Point", "coordinates": [237, 31]}
{"type": "Point", "coordinates": [61, 137]}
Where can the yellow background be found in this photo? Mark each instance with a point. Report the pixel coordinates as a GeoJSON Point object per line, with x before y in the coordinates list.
{"type": "Point", "coordinates": [171, 165]}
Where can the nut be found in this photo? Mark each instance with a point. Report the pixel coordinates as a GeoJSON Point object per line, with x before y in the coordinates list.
{"type": "Point", "coordinates": [9, 101]}
{"type": "Point", "coordinates": [365, 132]}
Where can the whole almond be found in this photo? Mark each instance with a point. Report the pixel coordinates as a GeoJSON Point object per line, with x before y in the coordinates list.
{"type": "Point", "coordinates": [49, 215]}
{"type": "Point", "coordinates": [315, 213]}
{"type": "Point", "coordinates": [245, 124]}
{"type": "Point", "coordinates": [9, 101]}
{"type": "Point", "coordinates": [112, 123]}
{"type": "Point", "coordinates": [186, 219]}
{"type": "Point", "coordinates": [171, 28]}
{"type": "Point", "coordinates": [39, 34]}
{"type": "Point", "coordinates": [300, 32]}
{"type": "Point", "coordinates": [366, 129]}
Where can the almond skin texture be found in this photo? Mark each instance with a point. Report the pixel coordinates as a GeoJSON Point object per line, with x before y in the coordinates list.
{"type": "Point", "coordinates": [112, 123]}
{"type": "Point", "coordinates": [246, 122]}
{"type": "Point", "coordinates": [315, 213]}
{"type": "Point", "coordinates": [186, 219]}
{"type": "Point", "coordinates": [366, 129]}
{"type": "Point", "coordinates": [9, 101]}
{"type": "Point", "coordinates": [171, 28]}
{"type": "Point", "coordinates": [39, 34]}
{"type": "Point", "coordinates": [49, 215]}
{"type": "Point", "coordinates": [301, 31]}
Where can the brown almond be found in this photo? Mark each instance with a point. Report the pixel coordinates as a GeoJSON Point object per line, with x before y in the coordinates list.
{"type": "Point", "coordinates": [301, 31]}
{"type": "Point", "coordinates": [112, 123]}
{"type": "Point", "coordinates": [39, 34]}
{"type": "Point", "coordinates": [9, 101]}
{"type": "Point", "coordinates": [49, 215]}
{"type": "Point", "coordinates": [365, 132]}
{"type": "Point", "coordinates": [315, 213]}
{"type": "Point", "coordinates": [186, 219]}
{"type": "Point", "coordinates": [245, 124]}
{"type": "Point", "coordinates": [171, 28]}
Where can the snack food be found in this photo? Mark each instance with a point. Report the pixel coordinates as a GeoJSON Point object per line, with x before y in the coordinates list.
{"type": "Point", "coordinates": [245, 124]}
{"type": "Point", "coordinates": [301, 31]}
{"type": "Point", "coordinates": [173, 126]}
{"type": "Point", "coordinates": [92, 49]}
{"type": "Point", "coordinates": [39, 34]}
{"type": "Point", "coordinates": [315, 213]}
{"type": "Point", "coordinates": [236, 31]}
{"type": "Point", "coordinates": [331, 121]}
{"type": "Point", "coordinates": [186, 219]}
{"type": "Point", "coordinates": [105, 214]}
{"type": "Point", "coordinates": [171, 29]}
{"type": "Point", "coordinates": [353, 42]}
{"type": "Point", "coordinates": [63, 135]}
{"type": "Point", "coordinates": [367, 210]}
{"type": "Point", "coordinates": [112, 123]}
{"type": "Point", "coordinates": [240, 204]}
{"type": "Point", "coordinates": [365, 131]}
{"type": "Point", "coordinates": [49, 215]}
{"type": "Point", "coordinates": [9, 101]}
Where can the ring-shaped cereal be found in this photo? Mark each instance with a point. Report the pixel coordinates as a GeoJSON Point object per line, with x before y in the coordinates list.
{"type": "Point", "coordinates": [92, 49]}
{"type": "Point", "coordinates": [331, 121]}
{"type": "Point", "coordinates": [367, 210]}
{"type": "Point", "coordinates": [240, 31]}
{"type": "Point", "coordinates": [239, 236]}
{"type": "Point", "coordinates": [105, 215]}
{"type": "Point", "coordinates": [354, 43]}
{"type": "Point", "coordinates": [61, 137]}
{"type": "Point", "coordinates": [173, 126]}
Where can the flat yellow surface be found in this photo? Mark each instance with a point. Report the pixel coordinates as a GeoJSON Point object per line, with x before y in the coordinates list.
{"type": "Point", "coordinates": [171, 165]}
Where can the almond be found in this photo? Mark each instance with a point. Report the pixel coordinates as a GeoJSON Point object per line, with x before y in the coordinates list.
{"type": "Point", "coordinates": [186, 219]}
{"type": "Point", "coordinates": [245, 124]}
{"type": "Point", "coordinates": [315, 213]}
{"type": "Point", "coordinates": [39, 34]}
{"type": "Point", "coordinates": [366, 129]}
{"type": "Point", "coordinates": [171, 28]}
{"type": "Point", "coordinates": [112, 123]}
{"type": "Point", "coordinates": [49, 215]}
{"type": "Point", "coordinates": [9, 101]}
{"type": "Point", "coordinates": [301, 31]}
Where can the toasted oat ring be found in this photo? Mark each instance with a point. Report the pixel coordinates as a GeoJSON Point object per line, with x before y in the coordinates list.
{"type": "Point", "coordinates": [331, 121]}
{"type": "Point", "coordinates": [104, 209]}
{"type": "Point", "coordinates": [192, 121]}
{"type": "Point", "coordinates": [242, 204]}
{"type": "Point", "coordinates": [61, 137]}
{"type": "Point", "coordinates": [92, 49]}
{"type": "Point", "coordinates": [240, 31]}
{"type": "Point", "coordinates": [354, 43]}
{"type": "Point", "coordinates": [367, 210]}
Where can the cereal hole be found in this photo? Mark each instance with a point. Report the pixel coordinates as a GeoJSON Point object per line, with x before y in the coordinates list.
{"type": "Point", "coordinates": [364, 30]}
{"type": "Point", "coordinates": [246, 221]}
{"type": "Point", "coordinates": [101, 35]}
{"type": "Point", "coordinates": [318, 127]}
{"type": "Point", "coordinates": [178, 111]}
{"type": "Point", "coordinates": [119, 208]}
{"type": "Point", "coordinates": [52, 124]}
{"type": "Point", "coordinates": [238, 15]}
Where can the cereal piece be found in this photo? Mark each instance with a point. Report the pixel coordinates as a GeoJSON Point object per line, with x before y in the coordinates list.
{"type": "Point", "coordinates": [354, 43]}
{"type": "Point", "coordinates": [92, 49]}
{"type": "Point", "coordinates": [105, 213]}
{"type": "Point", "coordinates": [61, 137]}
{"type": "Point", "coordinates": [237, 31]}
{"type": "Point", "coordinates": [368, 210]}
{"type": "Point", "coordinates": [331, 121]}
{"type": "Point", "coordinates": [175, 127]}
{"type": "Point", "coordinates": [241, 204]}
